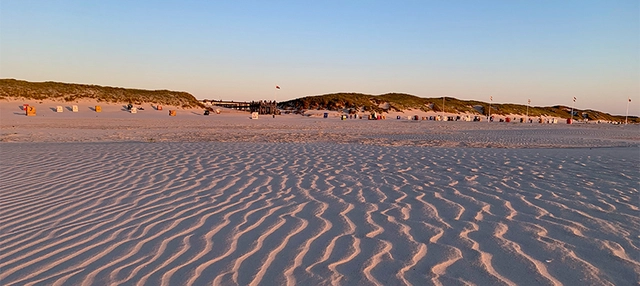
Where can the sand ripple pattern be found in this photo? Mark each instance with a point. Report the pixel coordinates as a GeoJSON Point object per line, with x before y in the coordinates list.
{"type": "Point", "coordinates": [316, 214]}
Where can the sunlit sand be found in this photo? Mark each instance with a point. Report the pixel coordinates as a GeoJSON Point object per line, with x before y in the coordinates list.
{"type": "Point", "coordinates": [118, 198]}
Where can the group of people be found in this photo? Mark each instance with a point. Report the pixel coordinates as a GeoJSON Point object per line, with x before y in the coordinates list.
{"type": "Point", "coordinates": [130, 106]}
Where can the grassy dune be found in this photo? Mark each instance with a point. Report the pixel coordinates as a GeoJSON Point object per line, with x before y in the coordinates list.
{"type": "Point", "coordinates": [399, 102]}
{"type": "Point", "coordinates": [11, 88]}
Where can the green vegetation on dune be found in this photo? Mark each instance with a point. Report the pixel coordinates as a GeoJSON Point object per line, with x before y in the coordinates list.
{"type": "Point", "coordinates": [11, 88]}
{"type": "Point", "coordinates": [403, 102]}
{"type": "Point", "coordinates": [336, 101]}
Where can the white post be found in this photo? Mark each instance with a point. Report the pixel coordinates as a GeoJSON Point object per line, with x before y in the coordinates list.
{"type": "Point", "coordinates": [627, 114]}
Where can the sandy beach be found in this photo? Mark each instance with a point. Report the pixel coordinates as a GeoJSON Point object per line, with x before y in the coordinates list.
{"type": "Point", "coordinates": [116, 198]}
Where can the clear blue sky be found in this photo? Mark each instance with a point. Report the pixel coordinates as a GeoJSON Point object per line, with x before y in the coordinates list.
{"type": "Point", "coordinates": [548, 51]}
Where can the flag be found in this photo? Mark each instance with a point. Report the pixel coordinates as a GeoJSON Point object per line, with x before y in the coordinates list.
{"type": "Point", "coordinates": [574, 99]}
{"type": "Point", "coordinates": [491, 97]}
{"type": "Point", "coordinates": [629, 99]}
{"type": "Point", "coordinates": [277, 87]}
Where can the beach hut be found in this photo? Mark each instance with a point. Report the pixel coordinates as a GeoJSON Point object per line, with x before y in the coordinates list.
{"type": "Point", "coordinates": [159, 107]}
{"type": "Point", "coordinates": [59, 108]}
{"type": "Point", "coordinates": [325, 115]}
{"type": "Point", "coordinates": [74, 108]}
{"type": "Point", "coordinates": [508, 119]}
{"type": "Point", "coordinates": [172, 113]}
{"type": "Point", "coordinates": [206, 112]}
{"type": "Point", "coordinates": [133, 110]}
{"type": "Point", "coordinates": [217, 111]}
{"type": "Point", "coordinates": [98, 108]}
{"type": "Point", "coordinates": [254, 115]}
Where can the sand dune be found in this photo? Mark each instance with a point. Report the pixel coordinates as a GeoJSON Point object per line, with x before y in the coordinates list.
{"type": "Point", "coordinates": [316, 213]}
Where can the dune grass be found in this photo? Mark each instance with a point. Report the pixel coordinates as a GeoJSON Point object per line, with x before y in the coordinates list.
{"type": "Point", "coordinates": [400, 102]}
{"type": "Point", "coordinates": [11, 88]}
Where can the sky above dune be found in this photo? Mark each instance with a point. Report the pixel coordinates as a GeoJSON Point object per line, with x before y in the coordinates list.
{"type": "Point", "coordinates": [546, 51]}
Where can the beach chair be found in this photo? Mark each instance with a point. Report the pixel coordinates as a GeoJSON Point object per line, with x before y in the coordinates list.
{"type": "Point", "coordinates": [30, 111]}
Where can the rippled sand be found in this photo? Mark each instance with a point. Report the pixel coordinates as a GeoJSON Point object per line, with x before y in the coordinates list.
{"type": "Point", "coordinates": [303, 201]}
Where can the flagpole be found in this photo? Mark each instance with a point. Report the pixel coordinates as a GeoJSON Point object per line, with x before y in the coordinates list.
{"type": "Point", "coordinates": [528, 103]}
{"type": "Point", "coordinates": [574, 102]}
{"type": "Point", "coordinates": [490, 101]}
{"type": "Point", "coordinates": [275, 100]}
{"type": "Point", "coordinates": [627, 114]}
{"type": "Point", "coordinates": [443, 108]}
